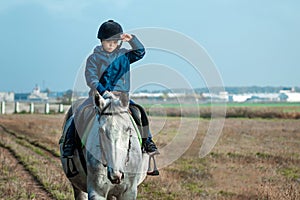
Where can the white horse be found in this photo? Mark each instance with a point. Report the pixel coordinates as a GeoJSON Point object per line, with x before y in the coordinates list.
{"type": "Point", "coordinates": [111, 164]}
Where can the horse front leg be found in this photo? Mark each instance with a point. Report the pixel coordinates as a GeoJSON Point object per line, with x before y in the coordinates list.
{"type": "Point", "coordinates": [97, 186]}
{"type": "Point", "coordinates": [128, 194]}
{"type": "Point", "coordinates": [97, 190]}
{"type": "Point", "coordinates": [93, 196]}
{"type": "Point", "coordinates": [129, 189]}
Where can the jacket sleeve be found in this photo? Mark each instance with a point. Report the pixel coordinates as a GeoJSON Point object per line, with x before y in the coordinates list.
{"type": "Point", "coordinates": [91, 74]}
{"type": "Point", "coordinates": [137, 52]}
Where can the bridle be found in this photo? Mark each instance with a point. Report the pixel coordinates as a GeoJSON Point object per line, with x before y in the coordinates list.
{"type": "Point", "coordinates": [103, 113]}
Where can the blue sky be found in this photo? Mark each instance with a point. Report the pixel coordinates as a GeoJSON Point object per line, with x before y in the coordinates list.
{"type": "Point", "coordinates": [251, 42]}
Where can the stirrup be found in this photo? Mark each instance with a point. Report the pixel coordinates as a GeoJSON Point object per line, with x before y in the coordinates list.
{"type": "Point", "coordinates": [156, 152]}
{"type": "Point", "coordinates": [68, 156]}
{"type": "Point", "coordinates": [71, 169]}
{"type": "Point", "coordinates": [155, 171]}
{"type": "Point", "coordinates": [70, 149]}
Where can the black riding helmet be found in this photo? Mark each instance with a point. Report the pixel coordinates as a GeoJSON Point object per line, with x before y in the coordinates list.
{"type": "Point", "coordinates": [110, 30]}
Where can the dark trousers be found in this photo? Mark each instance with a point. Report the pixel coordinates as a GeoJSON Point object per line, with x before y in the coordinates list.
{"type": "Point", "coordinates": [141, 119]}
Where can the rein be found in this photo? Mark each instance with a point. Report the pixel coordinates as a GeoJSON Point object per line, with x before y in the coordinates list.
{"type": "Point", "coordinates": [102, 112]}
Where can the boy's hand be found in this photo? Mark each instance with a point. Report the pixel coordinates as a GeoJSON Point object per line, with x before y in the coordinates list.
{"type": "Point", "coordinates": [108, 95]}
{"type": "Point", "coordinates": [126, 37]}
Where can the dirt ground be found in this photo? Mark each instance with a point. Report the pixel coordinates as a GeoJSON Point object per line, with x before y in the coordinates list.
{"type": "Point", "coordinates": [253, 159]}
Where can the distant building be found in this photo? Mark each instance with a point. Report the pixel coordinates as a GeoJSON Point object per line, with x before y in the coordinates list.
{"type": "Point", "coordinates": [35, 96]}
{"type": "Point", "coordinates": [240, 97]}
{"type": "Point", "coordinates": [255, 97]}
{"type": "Point", "coordinates": [290, 95]}
{"type": "Point", "coordinates": [147, 95]}
{"type": "Point", "coordinates": [219, 97]}
{"type": "Point", "coordinates": [21, 96]}
{"type": "Point", "coordinates": [7, 96]}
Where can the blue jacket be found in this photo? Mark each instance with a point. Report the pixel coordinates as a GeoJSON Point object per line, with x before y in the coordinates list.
{"type": "Point", "coordinates": [111, 71]}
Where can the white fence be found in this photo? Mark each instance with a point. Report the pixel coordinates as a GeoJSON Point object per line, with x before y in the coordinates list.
{"type": "Point", "coordinates": [30, 107]}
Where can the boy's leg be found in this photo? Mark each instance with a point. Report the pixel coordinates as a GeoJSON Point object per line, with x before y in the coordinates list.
{"type": "Point", "coordinates": [148, 144]}
{"type": "Point", "coordinates": [135, 113]}
{"type": "Point", "coordinates": [69, 144]}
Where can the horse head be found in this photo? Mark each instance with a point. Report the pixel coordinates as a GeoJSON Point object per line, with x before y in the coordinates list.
{"type": "Point", "coordinates": [115, 132]}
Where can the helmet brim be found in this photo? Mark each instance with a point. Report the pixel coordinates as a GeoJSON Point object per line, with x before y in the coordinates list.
{"type": "Point", "coordinates": [115, 37]}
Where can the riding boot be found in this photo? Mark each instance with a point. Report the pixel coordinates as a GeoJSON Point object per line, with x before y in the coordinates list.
{"type": "Point", "coordinates": [69, 144]}
{"type": "Point", "coordinates": [148, 145]}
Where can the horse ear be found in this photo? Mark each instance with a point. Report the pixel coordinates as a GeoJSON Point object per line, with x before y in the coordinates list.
{"type": "Point", "coordinates": [99, 101]}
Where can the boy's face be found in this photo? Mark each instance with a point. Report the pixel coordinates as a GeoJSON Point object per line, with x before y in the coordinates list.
{"type": "Point", "coordinates": [110, 45]}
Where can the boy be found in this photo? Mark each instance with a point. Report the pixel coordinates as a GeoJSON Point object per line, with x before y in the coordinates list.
{"type": "Point", "coordinates": [108, 71]}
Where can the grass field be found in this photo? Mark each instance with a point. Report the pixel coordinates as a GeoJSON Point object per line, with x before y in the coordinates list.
{"type": "Point", "coordinates": [284, 110]}
{"type": "Point", "coordinates": [254, 158]}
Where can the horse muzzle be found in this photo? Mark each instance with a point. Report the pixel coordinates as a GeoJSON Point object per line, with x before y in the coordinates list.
{"type": "Point", "coordinates": [115, 177]}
